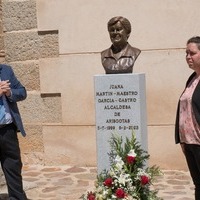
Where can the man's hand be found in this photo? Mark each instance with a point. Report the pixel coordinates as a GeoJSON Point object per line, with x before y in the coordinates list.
{"type": "Point", "coordinates": [5, 88]}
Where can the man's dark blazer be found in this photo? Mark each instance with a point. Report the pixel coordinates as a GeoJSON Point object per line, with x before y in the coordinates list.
{"type": "Point", "coordinates": [195, 107]}
{"type": "Point", "coordinates": [18, 92]}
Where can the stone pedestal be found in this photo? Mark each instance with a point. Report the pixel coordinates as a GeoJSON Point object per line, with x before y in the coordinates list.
{"type": "Point", "coordinates": [120, 102]}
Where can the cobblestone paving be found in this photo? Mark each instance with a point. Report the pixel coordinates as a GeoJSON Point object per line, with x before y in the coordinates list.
{"type": "Point", "coordinates": [69, 183]}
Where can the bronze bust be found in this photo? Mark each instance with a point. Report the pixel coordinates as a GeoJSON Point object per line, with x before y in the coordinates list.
{"type": "Point", "coordinates": [121, 56]}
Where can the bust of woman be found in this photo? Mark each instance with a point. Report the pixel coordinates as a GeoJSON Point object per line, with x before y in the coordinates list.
{"type": "Point", "coordinates": [121, 56]}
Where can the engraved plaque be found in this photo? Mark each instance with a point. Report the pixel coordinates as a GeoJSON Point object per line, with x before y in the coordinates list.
{"type": "Point", "coordinates": [120, 102]}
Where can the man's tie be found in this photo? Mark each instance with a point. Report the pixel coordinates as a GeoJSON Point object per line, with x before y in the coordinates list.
{"type": "Point", "coordinates": [2, 111]}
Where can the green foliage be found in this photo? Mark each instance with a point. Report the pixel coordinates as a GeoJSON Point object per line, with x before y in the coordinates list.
{"type": "Point", "coordinates": [118, 148]}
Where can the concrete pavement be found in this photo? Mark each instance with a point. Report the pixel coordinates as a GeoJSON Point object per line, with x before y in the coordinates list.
{"type": "Point", "coordinates": [70, 182]}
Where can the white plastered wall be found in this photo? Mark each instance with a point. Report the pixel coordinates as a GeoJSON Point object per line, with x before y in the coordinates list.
{"type": "Point", "coordinates": [159, 28]}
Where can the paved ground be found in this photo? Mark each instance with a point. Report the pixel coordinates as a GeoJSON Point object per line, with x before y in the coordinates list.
{"type": "Point", "coordinates": [69, 183]}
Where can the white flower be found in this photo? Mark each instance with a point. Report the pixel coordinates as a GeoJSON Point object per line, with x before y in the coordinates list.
{"type": "Point", "coordinates": [129, 198]}
{"type": "Point", "coordinates": [112, 172]}
{"type": "Point", "coordinates": [119, 162]}
{"type": "Point", "coordinates": [141, 172]}
{"type": "Point", "coordinates": [114, 196]}
{"type": "Point", "coordinates": [132, 153]}
{"type": "Point", "coordinates": [118, 159]}
{"type": "Point", "coordinates": [123, 179]}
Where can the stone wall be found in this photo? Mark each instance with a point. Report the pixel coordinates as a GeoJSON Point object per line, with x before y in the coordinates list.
{"type": "Point", "coordinates": [24, 45]}
{"type": "Point", "coordinates": [54, 48]}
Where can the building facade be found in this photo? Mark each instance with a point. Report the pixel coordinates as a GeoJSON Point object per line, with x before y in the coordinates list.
{"type": "Point", "coordinates": [54, 48]}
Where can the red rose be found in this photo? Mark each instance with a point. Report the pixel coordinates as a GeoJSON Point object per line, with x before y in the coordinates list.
{"type": "Point", "coordinates": [130, 159]}
{"type": "Point", "coordinates": [120, 193]}
{"type": "Point", "coordinates": [144, 180]}
{"type": "Point", "coordinates": [91, 196]}
{"type": "Point", "coordinates": [108, 182]}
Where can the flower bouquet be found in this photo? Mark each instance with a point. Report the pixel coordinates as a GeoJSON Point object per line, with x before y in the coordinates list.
{"type": "Point", "coordinates": [128, 177]}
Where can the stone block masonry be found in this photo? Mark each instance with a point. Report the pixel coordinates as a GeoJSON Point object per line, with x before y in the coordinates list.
{"type": "Point", "coordinates": [19, 15]}
{"type": "Point", "coordinates": [29, 45]}
{"type": "Point", "coordinates": [28, 71]}
{"type": "Point", "coordinates": [21, 46]}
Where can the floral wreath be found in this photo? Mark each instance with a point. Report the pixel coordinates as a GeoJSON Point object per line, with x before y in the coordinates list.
{"type": "Point", "coordinates": [128, 177]}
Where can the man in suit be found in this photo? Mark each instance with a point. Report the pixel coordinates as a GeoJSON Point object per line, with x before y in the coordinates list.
{"type": "Point", "coordinates": [11, 91]}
